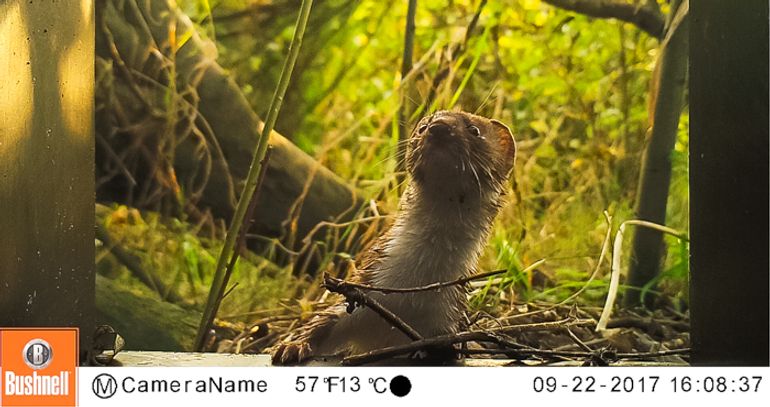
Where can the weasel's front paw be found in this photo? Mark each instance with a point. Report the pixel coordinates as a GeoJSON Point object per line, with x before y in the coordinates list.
{"type": "Point", "coordinates": [292, 352]}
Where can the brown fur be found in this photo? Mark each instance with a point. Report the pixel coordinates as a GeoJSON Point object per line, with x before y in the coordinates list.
{"type": "Point", "coordinates": [458, 164]}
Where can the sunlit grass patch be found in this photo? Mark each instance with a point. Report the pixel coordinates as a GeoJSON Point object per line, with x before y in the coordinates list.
{"type": "Point", "coordinates": [182, 261]}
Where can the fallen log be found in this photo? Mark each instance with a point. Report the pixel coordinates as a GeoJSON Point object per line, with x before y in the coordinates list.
{"type": "Point", "coordinates": [144, 320]}
{"type": "Point", "coordinates": [175, 133]}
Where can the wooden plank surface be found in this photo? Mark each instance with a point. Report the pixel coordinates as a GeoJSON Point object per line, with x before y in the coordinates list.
{"type": "Point", "coordinates": [189, 359]}
{"type": "Point", "coordinates": [47, 164]}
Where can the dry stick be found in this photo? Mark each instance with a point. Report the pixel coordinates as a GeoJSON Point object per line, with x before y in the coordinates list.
{"type": "Point", "coordinates": [273, 241]}
{"type": "Point", "coordinates": [576, 354]}
{"type": "Point", "coordinates": [578, 341]}
{"type": "Point", "coordinates": [260, 343]}
{"type": "Point", "coordinates": [493, 335]}
{"type": "Point", "coordinates": [512, 348]}
{"type": "Point", "coordinates": [118, 161]}
{"type": "Point", "coordinates": [670, 352]}
{"type": "Point", "coordinates": [615, 277]}
{"type": "Point", "coordinates": [220, 282]}
{"type": "Point", "coordinates": [517, 353]}
{"type": "Point", "coordinates": [229, 290]}
{"type": "Point", "coordinates": [268, 311]}
{"type": "Point", "coordinates": [123, 69]}
{"type": "Point", "coordinates": [355, 296]}
{"type": "Point", "coordinates": [565, 354]}
{"type": "Point", "coordinates": [307, 240]}
{"type": "Point", "coordinates": [429, 287]}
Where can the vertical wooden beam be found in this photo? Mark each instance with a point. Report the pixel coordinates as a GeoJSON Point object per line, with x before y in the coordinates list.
{"type": "Point", "coordinates": [729, 182]}
{"type": "Point", "coordinates": [47, 164]}
{"type": "Point", "coordinates": [655, 179]}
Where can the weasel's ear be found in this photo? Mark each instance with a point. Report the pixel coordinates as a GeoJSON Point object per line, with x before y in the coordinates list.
{"type": "Point", "coordinates": [506, 142]}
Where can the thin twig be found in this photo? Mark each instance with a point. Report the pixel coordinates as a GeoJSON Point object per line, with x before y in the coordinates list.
{"type": "Point", "coordinates": [603, 353]}
{"type": "Point", "coordinates": [220, 281]}
{"type": "Point", "coordinates": [355, 296]}
{"type": "Point", "coordinates": [123, 69]}
{"type": "Point", "coordinates": [615, 267]}
{"type": "Point", "coordinates": [429, 287]}
{"type": "Point", "coordinates": [229, 290]}
{"type": "Point", "coordinates": [643, 355]}
{"type": "Point", "coordinates": [116, 159]}
{"type": "Point", "coordinates": [307, 240]}
{"type": "Point", "coordinates": [273, 241]}
{"type": "Point", "coordinates": [578, 341]}
{"type": "Point", "coordinates": [493, 335]}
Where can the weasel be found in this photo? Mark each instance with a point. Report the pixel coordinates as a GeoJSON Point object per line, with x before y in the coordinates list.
{"type": "Point", "coordinates": [458, 165]}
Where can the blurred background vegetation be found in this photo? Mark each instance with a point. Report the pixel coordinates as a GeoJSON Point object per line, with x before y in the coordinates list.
{"type": "Point", "coordinates": [575, 90]}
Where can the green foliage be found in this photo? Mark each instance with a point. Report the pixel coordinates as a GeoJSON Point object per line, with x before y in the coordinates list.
{"type": "Point", "coordinates": [573, 89]}
{"type": "Point", "coordinates": [175, 253]}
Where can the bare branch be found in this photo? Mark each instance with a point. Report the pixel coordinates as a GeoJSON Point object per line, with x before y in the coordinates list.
{"type": "Point", "coordinates": [355, 296]}
{"type": "Point", "coordinates": [643, 15]}
{"type": "Point", "coordinates": [497, 336]}
{"type": "Point", "coordinates": [433, 286]}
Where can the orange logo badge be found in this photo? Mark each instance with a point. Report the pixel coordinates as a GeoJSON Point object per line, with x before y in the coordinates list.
{"type": "Point", "coordinates": [38, 366]}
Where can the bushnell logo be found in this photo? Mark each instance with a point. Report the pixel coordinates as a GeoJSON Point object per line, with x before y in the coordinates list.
{"type": "Point", "coordinates": [38, 366]}
{"type": "Point", "coordinates": [37, 354]}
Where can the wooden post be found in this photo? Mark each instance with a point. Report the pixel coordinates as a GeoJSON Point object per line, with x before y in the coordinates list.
{"type": "Point", "coordinates": [729, 182]}
{"type": "Point", "coordinates": [47, 164]}
{"type": "Point", "coordinates": [652, 197]}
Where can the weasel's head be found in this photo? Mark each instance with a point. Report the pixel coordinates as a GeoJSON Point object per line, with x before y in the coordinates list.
{"type": "Point", "coordinates": [459, 153]}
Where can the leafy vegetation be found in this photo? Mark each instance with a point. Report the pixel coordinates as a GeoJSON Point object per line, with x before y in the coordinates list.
{"type": "Point", "coordinates": [574, 89]}
{"type": "Point", "coordinates": [184, 262]}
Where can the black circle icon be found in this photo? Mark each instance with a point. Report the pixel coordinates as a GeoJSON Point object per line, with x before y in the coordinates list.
{"type": "Point", "coordinates": [400, 386]}
{"type": "Point", "coordinates": [104, 386]}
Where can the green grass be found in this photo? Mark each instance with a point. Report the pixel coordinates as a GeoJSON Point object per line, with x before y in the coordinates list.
{"type": "Point", "coordinates": [184, 261]}
{"type": "Point", "coordinates": [579, 114]}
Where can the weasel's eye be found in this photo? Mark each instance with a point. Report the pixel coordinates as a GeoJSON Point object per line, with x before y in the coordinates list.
{"type": "Point", "coordinates": [422, 128]}
{"type": "Point", "coordinates": [474, 130]}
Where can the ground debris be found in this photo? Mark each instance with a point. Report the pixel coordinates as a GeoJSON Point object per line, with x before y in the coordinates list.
{"type": "Point", "coordinates": [530, 334]}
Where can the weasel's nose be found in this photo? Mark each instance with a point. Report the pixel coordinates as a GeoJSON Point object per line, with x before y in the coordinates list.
{"type": "Point", "coordinates": [440, 129]}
